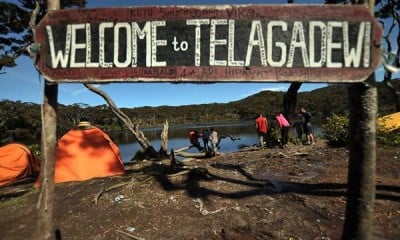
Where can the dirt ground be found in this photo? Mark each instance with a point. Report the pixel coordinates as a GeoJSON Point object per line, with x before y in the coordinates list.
{"type": "Point", "coordinates": [293, 193]}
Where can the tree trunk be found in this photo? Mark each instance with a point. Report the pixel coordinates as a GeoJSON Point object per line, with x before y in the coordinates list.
{"type": "Point", "coordinates": [290, 101]}
{"type": "Point", "coordinates": [45, 205]}
{"type": "Point", "coordinates": [361, 175]}
{"type": "Point", "coordinates": [45, 229]}
{"type": "Point", "coordinates": [164, 139]}
{"type": "Point", "coordinates": [139, 135]}
{"type": "Point", "coordinates": [362, 162]}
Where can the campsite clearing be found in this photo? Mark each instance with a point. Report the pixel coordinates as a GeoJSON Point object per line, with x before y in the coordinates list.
{"type": "Point", "coordinates": [293, 193]}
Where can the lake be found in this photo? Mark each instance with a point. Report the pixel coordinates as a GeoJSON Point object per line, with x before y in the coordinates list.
{"type": "Point", "coordinates": [178, 137]}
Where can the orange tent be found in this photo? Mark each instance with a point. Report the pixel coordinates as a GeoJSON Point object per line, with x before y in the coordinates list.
{"type": "Point", "coordinates": [83, 154]}
{"type": "Point", "coordinates": [16, 162]}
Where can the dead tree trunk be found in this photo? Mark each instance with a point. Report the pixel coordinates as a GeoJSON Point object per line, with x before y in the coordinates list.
{"type": "Point", "coordinates": [134, 129]}
{"type": "Point", "coordinates": [290, 97]}
{"type": "Point", "coordinates": [290, 101]}
{"type": "Point", "coordinates": [164, 140]}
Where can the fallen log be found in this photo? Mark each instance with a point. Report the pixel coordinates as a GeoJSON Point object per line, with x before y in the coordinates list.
{"type": "Point", "coordinates": [103, 190]}
{"type": "Point", "coordinates": [130, 235]}
{"type": "Point", "coordinates": [197, 155]}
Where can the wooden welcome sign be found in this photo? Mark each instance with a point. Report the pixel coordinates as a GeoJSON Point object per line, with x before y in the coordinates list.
{"type": "Point", "coordinates": [282, 43]}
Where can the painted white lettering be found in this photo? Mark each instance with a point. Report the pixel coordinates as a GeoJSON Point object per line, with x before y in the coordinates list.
{"type": "Point", "coordinates": [281, 45]}
{"type": "Point", "coordinates": [184, 46]}
{"type": "Point", "coordinates": [353, 55]}
{"type": "Point", "coordinates": [197, 49]}
{"type": "Point", "coordinates": [256, 29]}
{"type": "Point", "coordinates": [214, 42]}
{"type": "Point", "coordinates": [332, 45]}
{"type": "Point", "coordinates": [298, 41]}
{"type": "Point", "coordinates": [136, 31]}
{"type": "Point", "coordinates": [231, 46]}
{"type": "Point", "coordinates": [128, 50]}
{"type": "Point", "coordinates": [274, 43]}
{"type": "Point", "coordinates": [155, 43]}
{"type": "Point", "coordinates": [179, 46]}
{"type": "Point", "coordinates": [175, 45]}
{"type": "Point", "coordinates": [75, 46]}
{"type": "Point", "coordinates": [89, 62]}
{"type": "Point", "coordinates": [102, 53]}
{"type": "Point", "coordinates": [321, 39]}
{"type": "Point", "coordinates": [367, 44]}
{"type": "Point", "coordinates": [59, 57]}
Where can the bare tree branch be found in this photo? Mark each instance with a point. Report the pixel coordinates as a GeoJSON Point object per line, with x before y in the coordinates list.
{"type": "Point", "coordinates": [139, 135]}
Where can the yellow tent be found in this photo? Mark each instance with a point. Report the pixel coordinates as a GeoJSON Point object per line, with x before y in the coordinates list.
{"type": "Point", "coordinates": [390, 122]}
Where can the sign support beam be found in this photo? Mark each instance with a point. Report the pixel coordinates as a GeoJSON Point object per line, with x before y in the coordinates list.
{"type": "Point", "coordinates": [45, 224]}
{"type": "Point", "coordinates": [361, 181]}
{"type": "Point", "coordinates": [204, 44]}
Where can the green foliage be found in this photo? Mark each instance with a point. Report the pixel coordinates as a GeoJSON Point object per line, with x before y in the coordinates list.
{"type": "Point", "coordinates": [22, 121]}
{"type": "Point", "coordinates": [336, 130]}
{"type": "Point", "coordinates": [273, 135]}
{"type": "Point", "coordinates": [15, 35]}
{"type": "Point", "coordinates": [35, 149]}
{"type": "Point", "coordinates": [19, 122]}
{"type": "Point", "coordinates": [337, 134]}
{"type": "Point", "coordinates": [387, 138]}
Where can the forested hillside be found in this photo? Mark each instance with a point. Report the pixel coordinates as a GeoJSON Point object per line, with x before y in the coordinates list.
{"type": "Point", "coordinates": [22, 122]}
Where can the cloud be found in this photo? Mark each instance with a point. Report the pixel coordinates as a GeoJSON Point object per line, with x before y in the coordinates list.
{"type": "Point", "coordinates": [274, 89]}
{"type": "Point", "coordinates": [83, 90]}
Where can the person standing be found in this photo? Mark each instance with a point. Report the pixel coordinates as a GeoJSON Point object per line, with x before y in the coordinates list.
{"type": "Point", "coordinates": [262, 128]}
{"type": "Point", "coordinates": [194, 139]}
{"type": "Point", "coordinates": [284, 126]}
{"type": "Point", "coordinates": [307, 125]}
{"type": "Point", "coordinates": [214, 140]}
{"type": "Point", "coordinates": [205, 137]}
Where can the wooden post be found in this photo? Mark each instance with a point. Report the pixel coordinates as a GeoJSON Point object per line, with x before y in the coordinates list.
{"type": "Point", "coordinates": [45, 228]}
{"type": "Point", "coordinates": [362, 163]}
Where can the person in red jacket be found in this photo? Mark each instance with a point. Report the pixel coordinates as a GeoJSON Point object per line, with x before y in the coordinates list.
{"type": "Point", "coordinates": [262, 128]}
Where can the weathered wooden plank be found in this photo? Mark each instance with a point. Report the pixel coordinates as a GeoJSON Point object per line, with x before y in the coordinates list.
{"type": "Point", "coordinates": [282, 43]}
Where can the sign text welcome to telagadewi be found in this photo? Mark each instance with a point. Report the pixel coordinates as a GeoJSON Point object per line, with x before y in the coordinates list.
{"type": "Point", "coordinates": [308, 43]}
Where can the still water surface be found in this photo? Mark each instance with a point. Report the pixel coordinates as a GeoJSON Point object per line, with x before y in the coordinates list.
{"type": "Point", "coordinates": [178, 137]}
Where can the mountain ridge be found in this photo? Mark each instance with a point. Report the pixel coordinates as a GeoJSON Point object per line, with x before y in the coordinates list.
{"type": "Point", "coordinates": [23, 120]}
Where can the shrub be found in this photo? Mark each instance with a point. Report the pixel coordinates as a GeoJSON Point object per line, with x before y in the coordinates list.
{"type": "Point", "coordinates": [35, 149]}
{"type": "Point", "coordinates": [336, 130]}
{"type": "Point", "coordinates": [337, 134]}
{"type": "Point", "coordinates": [274, 136]}
{"type": "Point", "coordinates": [387, 137]}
